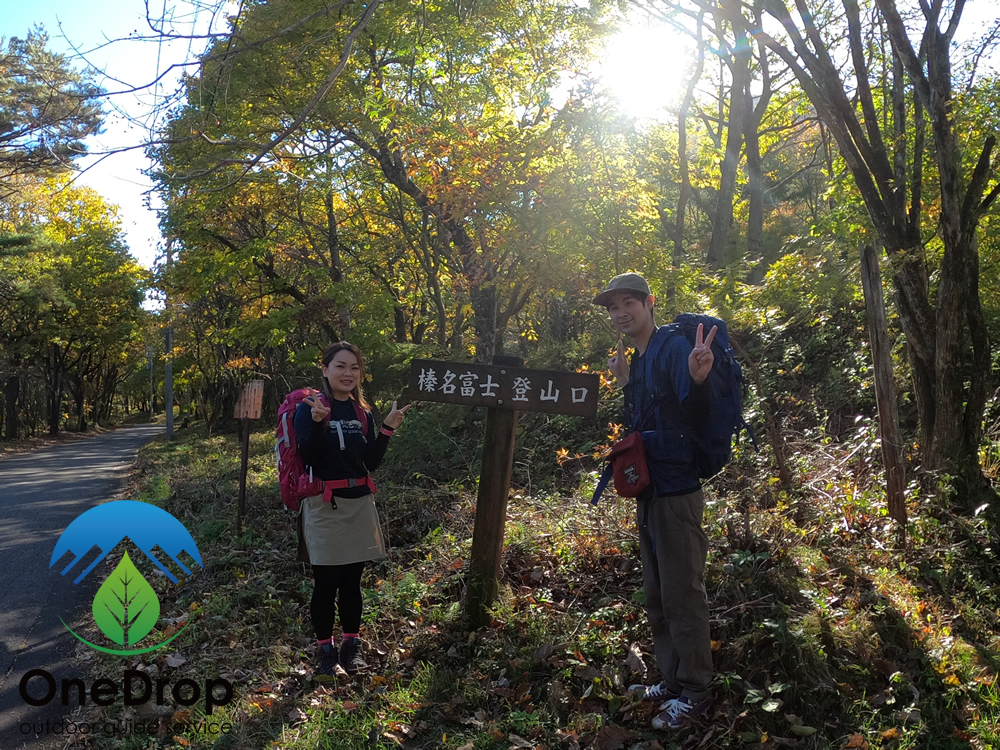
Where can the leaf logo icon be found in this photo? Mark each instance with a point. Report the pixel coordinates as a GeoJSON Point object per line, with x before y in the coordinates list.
{"type": "Point", "coordinates": [126, 607]}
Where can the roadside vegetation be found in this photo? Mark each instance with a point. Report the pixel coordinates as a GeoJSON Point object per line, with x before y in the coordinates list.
{"type": "Point", "coordinates": [826, 634]}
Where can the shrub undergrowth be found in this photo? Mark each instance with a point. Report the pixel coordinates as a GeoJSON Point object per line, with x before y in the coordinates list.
{"type": "Point", "coordinates": [825, 632]}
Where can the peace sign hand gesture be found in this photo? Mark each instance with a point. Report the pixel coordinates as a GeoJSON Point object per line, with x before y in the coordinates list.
{"type": "Point", "coordinates": [395, 417]}
{"type": "Point", "coordinates": [618, 364]}
{"type": "Point", "coordinates": [319, 412]}
{"type": "Point", "coordinates": [702, 358]}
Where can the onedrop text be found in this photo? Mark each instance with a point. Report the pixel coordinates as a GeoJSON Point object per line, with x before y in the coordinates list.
{"type": "Point", "coordinates": [136, 687]}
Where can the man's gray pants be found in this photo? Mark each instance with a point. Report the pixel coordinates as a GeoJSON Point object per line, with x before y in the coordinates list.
{"type": "Point", "coordinates": [674, 549]}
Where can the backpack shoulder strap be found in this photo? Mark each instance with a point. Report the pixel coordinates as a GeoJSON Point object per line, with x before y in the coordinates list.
{"type": "Point", "coordinates": [656, 342]}
{"type": "Point", "coordinates": [363, 416]}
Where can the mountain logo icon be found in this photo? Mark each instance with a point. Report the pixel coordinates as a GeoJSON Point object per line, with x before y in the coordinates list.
{"type": "Point", "coordinates": [126, 608]}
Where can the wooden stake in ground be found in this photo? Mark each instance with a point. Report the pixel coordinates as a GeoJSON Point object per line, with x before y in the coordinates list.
{"type": "Point", "coordinates": [247, 407]}
{"type": "Point", "coordinates": [885, 389]}
{"type": "Point", "coordinates": [491, 507]}
{"type": "Point", "coordinates": [505, 388]}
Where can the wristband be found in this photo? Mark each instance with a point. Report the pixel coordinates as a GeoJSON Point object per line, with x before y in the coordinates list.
{"type": "Point", "coordinates": [386, 430]}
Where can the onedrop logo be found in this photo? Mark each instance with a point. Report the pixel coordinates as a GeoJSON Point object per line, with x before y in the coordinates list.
{"type": "Point", "coordinates": [126, 607]}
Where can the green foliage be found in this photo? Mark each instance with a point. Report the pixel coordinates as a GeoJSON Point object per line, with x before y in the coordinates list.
{"type": "Point", "coordinates": [70, 310]}
{"type": "Point", "coordinates": [47, 108]}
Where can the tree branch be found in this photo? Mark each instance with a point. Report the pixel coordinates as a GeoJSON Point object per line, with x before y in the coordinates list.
{"type": "Point", "coordinates": [311, 105]}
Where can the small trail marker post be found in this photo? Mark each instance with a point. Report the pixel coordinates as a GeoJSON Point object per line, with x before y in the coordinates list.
{"type": "Point", "coordinates": [505, 388]}
{"type": "Point", "coordinates": [247, 408]}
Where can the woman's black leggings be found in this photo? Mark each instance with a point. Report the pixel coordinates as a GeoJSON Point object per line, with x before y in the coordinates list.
{"type": "Point", "coordinates": [332, 580]}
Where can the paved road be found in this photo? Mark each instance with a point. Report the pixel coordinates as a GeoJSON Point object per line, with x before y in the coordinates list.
{"type": "Point", "coordinates": [40, 494]}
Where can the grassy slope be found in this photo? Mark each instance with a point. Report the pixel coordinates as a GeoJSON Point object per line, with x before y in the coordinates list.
{"type": "Point", "coordinates": [825, 635]}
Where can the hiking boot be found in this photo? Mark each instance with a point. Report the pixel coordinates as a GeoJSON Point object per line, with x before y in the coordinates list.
{"type": "Point", "coordinates": [659, 692]}
{"type": "Point", "coordinates": [328, 661]}
{"type": "Point", "coordinates": [350, 656]}
{"type": "Point", "coordinates": [679, 710]}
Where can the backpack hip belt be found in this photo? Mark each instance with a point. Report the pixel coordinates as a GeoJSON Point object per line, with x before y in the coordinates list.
{"type": "Point", "coordinates": [330, 485]}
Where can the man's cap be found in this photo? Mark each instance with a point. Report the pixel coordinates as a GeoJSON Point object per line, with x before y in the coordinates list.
{"type": "Point", "coordinates": [626, 282]}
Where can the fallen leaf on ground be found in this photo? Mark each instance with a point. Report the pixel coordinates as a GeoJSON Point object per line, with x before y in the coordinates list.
{"type": "Point", "coordinates": [176, 660]}
{"type": "Point", "coordinates": [544, 652]}
{"type": "Point", "coordinates": [772, 704]}
{"type": "Point", "coordinates": [612, 738]}
{"type": "Point", "coordinates": [856, 740]}
{"type": "Point", "coordinates": [634, 660]}
{"type": "Point", "coordinates": [476, 720]}
{"type": "Point", "coordinates": [396, 737]}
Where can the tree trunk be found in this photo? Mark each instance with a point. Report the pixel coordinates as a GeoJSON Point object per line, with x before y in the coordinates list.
{"type": "Point", "coordinates": [10, 394]}
{"type": "Point", "coordinates": [336, 268]}
{"type": "Point", "coordinates": [740, 68]}
{"type": "Point", "coordinates": [677, 256]}
{"type": "Point", "coordinates": [81, 418]}
{"type": "Point", "coordinates": [55, 391]}
{"type": "Point", "coordinates": [755, 175]}
{"type": "Point", "coordinates": [755, 167]}
{"type": "Point", "coordinates": [885, 388]}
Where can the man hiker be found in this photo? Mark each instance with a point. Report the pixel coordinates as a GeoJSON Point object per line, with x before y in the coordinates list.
{"type": "Point", "coordinates": [672, 544]}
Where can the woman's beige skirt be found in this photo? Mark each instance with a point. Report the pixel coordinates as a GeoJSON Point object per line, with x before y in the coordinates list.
{"type": "Point", "coordinates": [346, 534]}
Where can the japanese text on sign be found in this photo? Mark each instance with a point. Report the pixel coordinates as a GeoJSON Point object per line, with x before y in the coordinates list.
{"type": "Point", "coordinates": [504, 387]}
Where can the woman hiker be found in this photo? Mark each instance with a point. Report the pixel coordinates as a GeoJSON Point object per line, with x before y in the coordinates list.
{"type": "Point", "coordinates": [340, 528]}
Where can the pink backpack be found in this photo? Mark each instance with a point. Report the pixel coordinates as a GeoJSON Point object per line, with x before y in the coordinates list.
{"type": "Point", "coordinates": [293, 480]}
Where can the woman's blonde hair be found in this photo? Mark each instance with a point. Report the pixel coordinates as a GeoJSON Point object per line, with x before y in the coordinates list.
{"type": "Point", "coordinates": [329, 354]}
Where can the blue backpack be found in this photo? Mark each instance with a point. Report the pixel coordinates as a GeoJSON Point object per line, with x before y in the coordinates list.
{"type": "Point", "coordinates": [713, 443]}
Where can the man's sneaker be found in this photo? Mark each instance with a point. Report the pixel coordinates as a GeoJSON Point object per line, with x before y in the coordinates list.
{"type": "Point", "coordinates": [328, 661]}
{"type": "Point", "coordinates": [677, 711]}
{"type": "Point", "coordinates": [657, 692]}
{"type": "Point", "coordinates": [350, 656]}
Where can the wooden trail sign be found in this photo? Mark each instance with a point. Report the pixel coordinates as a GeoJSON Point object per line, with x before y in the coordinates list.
{"type": "Point", "coordinates": [250, 400]}
{"type": "Point", "coordinates": [505, 388]}
{"type": "Point", "coordinates": [510, 387]}
{"type": "Point", "coordinates": [248, 407]}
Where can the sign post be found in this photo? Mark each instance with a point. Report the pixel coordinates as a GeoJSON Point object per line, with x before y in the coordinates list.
{"type": "Point", "coordinates": [505, 388]}
{"type": "Point", "coordinates": [247, 408]}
